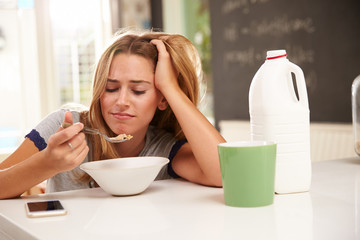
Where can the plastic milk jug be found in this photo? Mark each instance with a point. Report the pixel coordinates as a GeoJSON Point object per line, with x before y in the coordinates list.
{"type": "Point", "coordinates": [278, 113]}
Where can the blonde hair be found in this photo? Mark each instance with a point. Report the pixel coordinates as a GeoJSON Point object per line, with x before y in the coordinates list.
{"type": "Point", "coordinates": [185, 60]}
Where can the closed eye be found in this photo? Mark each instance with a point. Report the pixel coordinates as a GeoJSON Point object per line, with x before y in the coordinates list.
{"type": "Point", "coordinates": [111, 89]}
{"type": "Point", "coordinates": [137, 92]}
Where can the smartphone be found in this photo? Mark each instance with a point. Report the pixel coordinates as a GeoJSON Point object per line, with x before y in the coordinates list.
{"type": "Point", "coordinates": [45, 208]}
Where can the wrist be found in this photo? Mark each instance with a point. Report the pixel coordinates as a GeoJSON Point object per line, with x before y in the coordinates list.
{"type": "Point", "coordinates": [44, 162]}
{"type": "Point", "coordinates": [169, 89]}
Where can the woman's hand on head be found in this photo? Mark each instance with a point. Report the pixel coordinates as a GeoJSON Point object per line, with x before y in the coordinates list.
{"type": "Point", "coordinates": [67, 148]}
{"type": "Point", "coordinates": [165, 73]}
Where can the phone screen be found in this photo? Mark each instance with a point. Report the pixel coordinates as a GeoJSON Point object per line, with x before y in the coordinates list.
{"type": "Point", "coordinates": [45, 208]}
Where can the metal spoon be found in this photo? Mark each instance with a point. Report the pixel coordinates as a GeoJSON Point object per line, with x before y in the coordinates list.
{"type": "Point", "coordinates": [118, 139]}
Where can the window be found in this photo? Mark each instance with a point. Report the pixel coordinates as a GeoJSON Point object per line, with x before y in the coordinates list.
{"type": "Point", "coordinates": [19, 94]}
{"type": "Point", "coordinates": [47, 56]}
{"type": "Point", "coordinates": [75, 35]}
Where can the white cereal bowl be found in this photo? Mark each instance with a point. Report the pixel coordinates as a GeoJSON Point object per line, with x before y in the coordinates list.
{"type": "Point", "coordinates": [125, 176]}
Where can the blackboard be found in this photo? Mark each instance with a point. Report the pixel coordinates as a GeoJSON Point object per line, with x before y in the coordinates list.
{"type": "Point", "coordinates": [320, 36]}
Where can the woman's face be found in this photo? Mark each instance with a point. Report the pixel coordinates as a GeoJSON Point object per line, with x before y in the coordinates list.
{"type": "Point", "coordinates": [130, 98]}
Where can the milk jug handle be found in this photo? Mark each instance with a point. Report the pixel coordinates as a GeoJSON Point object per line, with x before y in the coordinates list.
{"type": "Point", "coordinates": [300, 84]}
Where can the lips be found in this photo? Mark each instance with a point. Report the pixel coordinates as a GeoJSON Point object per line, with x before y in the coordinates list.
{"type": "Point", "coordinates": [123, 116]}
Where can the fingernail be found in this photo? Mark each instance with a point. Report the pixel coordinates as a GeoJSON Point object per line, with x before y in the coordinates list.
{"type": "Point", "coordinates": [82, 125]}
{"type": "Point", "coordinates": [65, 125]}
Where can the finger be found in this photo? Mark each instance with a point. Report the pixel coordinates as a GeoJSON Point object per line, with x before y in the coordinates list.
{"type": "Point", "coordinates": [68, 120]}
{"type": "Point", "coordinates": [64, 135]}
{"type": "Point", "coordinates": [75, 142]}
{"type": "Point", "coordinates": [69, 144]}
{"type": "Point", "coordinates": [159, 45]}
{"type": "Point", "coordinates": [79, 154]}
{"type": "Point", "coordinates": [72, 158]}
{"type": "Point", "coordinates": [83, 146]}
{"type": "Point", "coordinates": [68, 117]}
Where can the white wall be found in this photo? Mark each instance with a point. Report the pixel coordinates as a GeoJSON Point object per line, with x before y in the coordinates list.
{"type": "Point", "coordinates": [328, 141]}
{"type": "Point", "coordinates": [173, 16]}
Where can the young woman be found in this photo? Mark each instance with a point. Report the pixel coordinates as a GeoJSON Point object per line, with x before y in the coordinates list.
{"type": "Point", "coordinates": [146, 85]}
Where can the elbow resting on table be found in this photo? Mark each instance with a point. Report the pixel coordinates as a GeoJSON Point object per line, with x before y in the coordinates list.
{"type": "Point", "coordinates": [216, 182]}
{"type": "Point", "coordinates": [212, 181]}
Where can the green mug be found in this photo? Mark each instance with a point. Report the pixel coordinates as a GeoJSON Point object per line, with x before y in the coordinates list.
{"type": "Point", "coordinates": [248, 172]}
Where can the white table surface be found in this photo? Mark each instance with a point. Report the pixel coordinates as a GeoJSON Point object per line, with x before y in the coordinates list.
{"type": "Point", "coordinates": [176, 209]}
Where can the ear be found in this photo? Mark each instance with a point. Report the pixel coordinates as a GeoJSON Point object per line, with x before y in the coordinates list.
{"type": "Point", "coordinates": [163, 104]}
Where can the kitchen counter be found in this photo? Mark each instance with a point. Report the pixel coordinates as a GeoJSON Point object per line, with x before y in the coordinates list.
{"type": "Point", "coordinates": [176, 209]}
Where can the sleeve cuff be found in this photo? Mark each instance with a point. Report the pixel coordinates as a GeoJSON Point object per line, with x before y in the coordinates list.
{"type": "Point", "coordinates": [37, 139]}
{"type": "Point", "coordinates": [175, 148]}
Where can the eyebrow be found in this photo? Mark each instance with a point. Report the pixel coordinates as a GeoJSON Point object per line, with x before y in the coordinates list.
{"type": "Point", "coordinates": [132, 81]}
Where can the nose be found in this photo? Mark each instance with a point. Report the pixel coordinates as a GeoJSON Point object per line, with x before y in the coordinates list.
{"type": "Point", "coordinates": [123, 98]}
